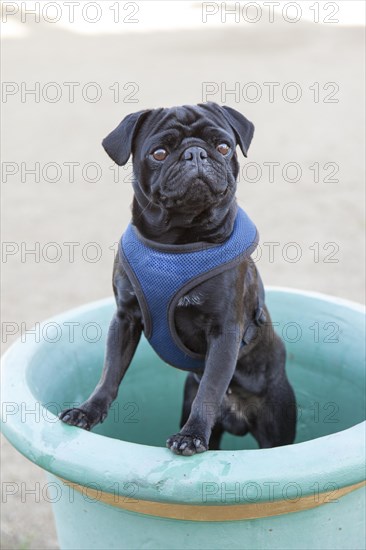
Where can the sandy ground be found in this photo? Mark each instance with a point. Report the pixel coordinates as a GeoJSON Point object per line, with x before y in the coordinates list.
{"type": "Point", "coordinates": [324, 218]}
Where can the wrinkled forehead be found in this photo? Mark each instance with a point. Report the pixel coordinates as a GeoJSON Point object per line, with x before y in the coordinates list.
{"type": "Point", "coordinates": [187, 120]}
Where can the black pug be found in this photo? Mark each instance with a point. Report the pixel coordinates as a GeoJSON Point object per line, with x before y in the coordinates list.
{"type": "Point", "coordinates": [184, 276]}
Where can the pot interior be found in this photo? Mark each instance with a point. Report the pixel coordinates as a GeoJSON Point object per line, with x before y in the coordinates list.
{"type": "Point", "coordinates": [325, 358]}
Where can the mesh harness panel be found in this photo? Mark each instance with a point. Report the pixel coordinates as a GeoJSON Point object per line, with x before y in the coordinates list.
{"type": "Point", "coordinates": [161, 274]}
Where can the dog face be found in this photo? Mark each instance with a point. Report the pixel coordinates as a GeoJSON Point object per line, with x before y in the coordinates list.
{"type": "Point", "coordinates": [184, 158]}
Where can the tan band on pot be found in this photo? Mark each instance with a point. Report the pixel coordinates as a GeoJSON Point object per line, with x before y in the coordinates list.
{"type": "Point", "coordinates": [213, 512]}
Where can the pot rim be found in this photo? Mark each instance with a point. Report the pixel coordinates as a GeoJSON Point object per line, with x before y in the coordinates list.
{"type": "Point", "coordinates": [336, 460]}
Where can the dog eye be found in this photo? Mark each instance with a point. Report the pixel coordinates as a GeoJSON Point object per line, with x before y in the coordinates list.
{"type": "Point", "coordinates": [160, 154]}
{"type": "Point", "coordinates": [223, 148]}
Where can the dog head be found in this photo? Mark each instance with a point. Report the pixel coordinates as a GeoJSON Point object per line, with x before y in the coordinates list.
{"type": "Point", "coordinates": [184, 158]}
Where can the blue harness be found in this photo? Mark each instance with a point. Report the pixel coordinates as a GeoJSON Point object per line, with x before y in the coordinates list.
{"type": "Point", "coordinates": [161, 274]}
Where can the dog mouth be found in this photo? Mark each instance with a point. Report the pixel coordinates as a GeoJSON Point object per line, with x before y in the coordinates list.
{"type": "Point", "coordinates": [198, 192]}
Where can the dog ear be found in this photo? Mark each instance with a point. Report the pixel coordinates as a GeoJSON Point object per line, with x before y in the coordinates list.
{"type": "Point", "coordinates": [118, 144]}
{"type": "Point", "coordinates": [242, 127]}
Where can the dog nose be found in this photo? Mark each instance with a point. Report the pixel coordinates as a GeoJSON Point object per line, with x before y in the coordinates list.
{"type": "Point", "coordinates": [195, 154]}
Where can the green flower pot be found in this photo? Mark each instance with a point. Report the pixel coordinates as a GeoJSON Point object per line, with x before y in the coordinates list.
{"type": "Point", "coordinates": [119, 487]}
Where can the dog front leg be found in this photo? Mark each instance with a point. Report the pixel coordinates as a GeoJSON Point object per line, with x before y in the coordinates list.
{"type": "Point", "coordinates": [220, 365]}
{"type": "Point", "coordinates": [122, 340]}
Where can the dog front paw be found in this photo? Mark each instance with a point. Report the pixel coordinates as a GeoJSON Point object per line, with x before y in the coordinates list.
{"type": "Point", "coordinates": [82, 418]}
{"type": "Point", "coordinates": [186, 444]}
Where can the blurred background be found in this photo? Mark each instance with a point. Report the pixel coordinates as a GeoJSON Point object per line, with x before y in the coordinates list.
{"type": "Point", "coordinates": [72, 70]}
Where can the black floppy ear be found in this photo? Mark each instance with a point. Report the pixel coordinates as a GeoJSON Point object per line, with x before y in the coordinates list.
{"type": "Point", "coordinates": [242, 127]}
{"type": "Point", "coordinates": [118, 144]}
